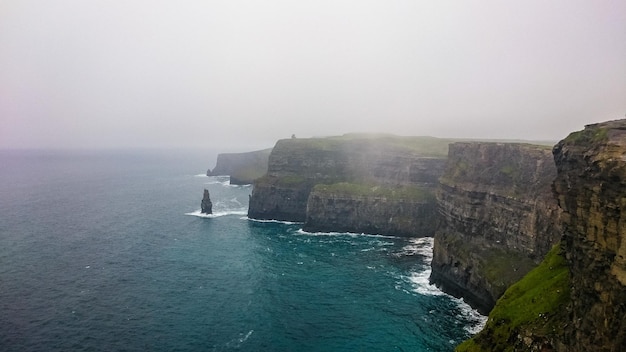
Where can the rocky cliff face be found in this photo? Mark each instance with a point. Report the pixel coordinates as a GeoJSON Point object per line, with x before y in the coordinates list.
{"type": "Point", "coordinates": [576, 299]}
{"type": "Point", "coordinates": [206, 205]}
{"type": "Point", "coordinates": [591, 189]}
{"type": "Point", "coordinates": [243, 168]}
{"type": "Point", "coordinates": [296, 166]}
{"type": "Point", "coordinates": [498, 218]}
{"type": "Point", "coordinates": [400, 211]}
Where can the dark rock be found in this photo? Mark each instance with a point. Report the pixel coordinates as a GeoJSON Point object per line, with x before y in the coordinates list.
{"type": "Point", "coordinates": [389, 210]}
{"type": "Point", "coordinates": [206, 206]}
{"type": "Point", "coordinates": [591, 189]}
{"type": "Point", "coordinates": [498, 218]}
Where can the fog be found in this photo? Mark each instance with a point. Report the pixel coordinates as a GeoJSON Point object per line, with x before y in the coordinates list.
{"type": "Point", "coordinates": [241, 74]}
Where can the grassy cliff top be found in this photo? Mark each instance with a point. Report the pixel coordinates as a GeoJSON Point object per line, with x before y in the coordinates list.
{"type": "Point", "coordinates": [421, 145]}
{"type": "Point", "coordinates": [533, 306]}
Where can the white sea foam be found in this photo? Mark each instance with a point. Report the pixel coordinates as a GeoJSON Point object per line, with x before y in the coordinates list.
{"type": "Point", "coordinates": [200, 175]}
{"type": "Point", "coordinates": [350, 234]}
{"type": "Point", "coordinates": [273, 221]}
{"type": "Point", "coordinates": [225, 183]}
{"type": "Point", "coordinates": [419, 246]}
{"type": "Point", "coordinates": [236, 342]}
{"type": "Point", "coordinates": [477, 320]}
{"type": "Point", "coordinates": [420, 282]}
{"type": "Point", "coordinates": [420, 279]}
{"type": "Point", "coordinates": [217, 214]}
{"type": "Point", "coordinates": [242, 340]}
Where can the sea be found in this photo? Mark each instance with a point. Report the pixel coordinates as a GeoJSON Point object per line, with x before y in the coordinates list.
{"type": "Point", "coordinates": [108, 251]}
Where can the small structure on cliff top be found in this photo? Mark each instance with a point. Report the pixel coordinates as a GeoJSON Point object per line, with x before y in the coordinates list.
{"type": "Point", "coordinates": [206, 205]}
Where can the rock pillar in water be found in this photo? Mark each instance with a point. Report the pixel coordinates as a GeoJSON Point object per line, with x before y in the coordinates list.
{"type": "Point", "coordinates": [206, 205]}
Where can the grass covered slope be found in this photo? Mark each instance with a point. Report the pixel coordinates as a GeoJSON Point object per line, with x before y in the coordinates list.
{"type": "Point", "coordinates": [529, 314]}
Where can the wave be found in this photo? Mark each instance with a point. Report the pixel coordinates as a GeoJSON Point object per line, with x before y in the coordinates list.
{"type": "Point", "coordinates": [422, 246]}
{"type": "Point", "coordinates": [350, 234]}
{"type": "Point", "coordinates": [236, 342]}
{"type": "Point", "coordinates": [477, 321]}
{"type": "Point", "coordinates": [200, 175]}
{"type": "Point", "coordinates": [273, 221]}
{"type": "Point", "coordinates": [420, 282]}
{"type": "Point", "coordinates": [217, 214]}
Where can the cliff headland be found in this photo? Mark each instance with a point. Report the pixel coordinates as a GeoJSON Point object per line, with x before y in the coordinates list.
{"type": "Point", "coordinates": [357, 183]}
{"type": "Point", "coordinates": [243, 168]}
{"type": "Point", "coordinates": [576, 299]}
{"type": "Point", "coordinates": [533, 235]}
{"type": "Point", "coordinates": [498, 218]}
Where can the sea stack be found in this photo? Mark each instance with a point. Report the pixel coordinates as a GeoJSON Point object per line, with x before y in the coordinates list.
{"type": "Point", "coordinates": [206, 205]}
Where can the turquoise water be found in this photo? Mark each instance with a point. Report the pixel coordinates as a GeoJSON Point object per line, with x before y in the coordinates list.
{"type": "Point", "coordinates": [107, 252]}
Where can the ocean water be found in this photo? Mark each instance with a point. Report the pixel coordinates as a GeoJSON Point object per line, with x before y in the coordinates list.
{"type": "Point", "coordinates": [107, 251]}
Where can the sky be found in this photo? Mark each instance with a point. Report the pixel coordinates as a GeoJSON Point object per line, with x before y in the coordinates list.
{"type": "Point", "coordinates": [241, 74]}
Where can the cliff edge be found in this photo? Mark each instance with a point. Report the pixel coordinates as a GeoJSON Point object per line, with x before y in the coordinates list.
{"type": "Point", "coordinates": [591, 189]}
{"type": "Point", "coordinates": [576, 301]}
{"type": "Point", "coordinates": [498, 218]}
{"type": "Point", "coordinates": [243, 168]}
{"type": "Point", "coordinates": [355, 183]}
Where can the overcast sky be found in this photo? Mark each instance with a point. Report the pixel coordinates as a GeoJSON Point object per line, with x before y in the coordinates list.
{"type": "Point", "coordinates": [242, 74]}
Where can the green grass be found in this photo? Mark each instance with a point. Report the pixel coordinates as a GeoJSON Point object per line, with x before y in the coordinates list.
{"type": "Point", "coordinates": [534, 304]}
{"type": "Point", "coordinates": [369, 190]}
{"type": "Point", "coordinates": [420, 145]}
{"type": "Point", "coordinates": [588, 136]}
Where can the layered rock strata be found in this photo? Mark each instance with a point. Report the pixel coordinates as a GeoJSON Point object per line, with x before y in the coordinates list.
{"type": "Point", "coordinates": [498, 218]}
{"type": "Point", "coordinates": [591, 189]}
{"type": "Point", "coordinates": [400, 211]}
{"type": "Point", "coordinates": [350, 164]}
{"type": "Point", "coordinates": [583, 309]}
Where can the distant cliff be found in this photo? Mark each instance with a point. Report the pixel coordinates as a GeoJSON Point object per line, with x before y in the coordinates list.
{"type": "Point", "coordinates": [361, 208]}
{"type": "Point", "coordinates": [498, 218]}
{"type": "Point", "coordinates": [576, 299]}
{"type": "Point", "coordinates": [358, 183]}
{"type": "Point", "coordinates": [243, 168]}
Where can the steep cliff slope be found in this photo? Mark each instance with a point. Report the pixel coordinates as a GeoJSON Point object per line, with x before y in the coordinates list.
{"type": "Point", "coordinates": [362, 208]}
{"type": "Point", "coordinates": [370, 176]}
{"type": "Point", "coordinates": [498, 218]}
{"type": "Point", "coordinates": [586, 309]}
{"type": "Point", "coordinates": [243, 168]}
{"type": "Point", "coordinates": [591, 189]}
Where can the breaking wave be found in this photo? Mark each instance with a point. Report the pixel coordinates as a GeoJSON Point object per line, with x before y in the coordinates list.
{"type": "Point", "coordinates": [217, 214]}
{"type": "Point", "coordinates": [351, 234]}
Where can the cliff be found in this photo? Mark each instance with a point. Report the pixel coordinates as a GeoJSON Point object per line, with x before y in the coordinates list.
{"type": "Point", "coordinates": [585, 308]}
{"type": "Point", "coordinates": [498, 218]}
{"type": "Point", "coordinates": [243, 168]}
{"type": "Point", "coordinates": [402, 211]}
{"type": "Point", "coordinates": [591, 189]}
{"type": "Point", "coordinates": [351, 183]}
